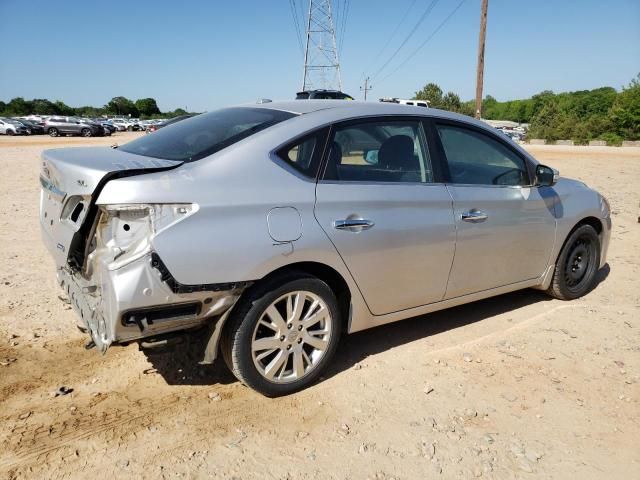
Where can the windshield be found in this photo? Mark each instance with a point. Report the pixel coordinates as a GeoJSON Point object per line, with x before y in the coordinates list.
{"type": "Point", "coordinates": [200, 136]}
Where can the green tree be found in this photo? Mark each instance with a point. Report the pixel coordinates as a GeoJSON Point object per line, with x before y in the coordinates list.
{"type": "Point", "coordinates": [18, 106]}
{"type": "Point", "coordinates": [451, 102]}
{"type": "Point", "coordinates": [147, 107]}
{"type": "Point", "coordinates": [625, 111]}
{"type": "Point", "coordinates": [89, 111]}
{"type": "Point", "coordinates": [41, 106]}
{"type": "Point", "coordinates": [63, 109]}
{"type": "Point", "coordinates": [177, 112]}
{"type": "Point", "coordinates": [431, 92]}
{"type": "Point", "coordinates": [121, 106]}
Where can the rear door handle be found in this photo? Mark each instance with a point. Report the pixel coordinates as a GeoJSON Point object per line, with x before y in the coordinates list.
{"type": "Point", "coordinates": [353, 225]}
{"type": "Point", "coordinates": [474, 216]}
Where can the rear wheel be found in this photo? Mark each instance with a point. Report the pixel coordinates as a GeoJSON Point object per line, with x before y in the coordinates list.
{"type": "Point", "coordinates": [577, 265]}
{"type": "Point", "coordinates": [53, 132]}
{"type": "Point", "coordinates": [282, 334]}
{"type": "Point", "coordinates": [85, 132]}
{"type": "Point", "coordinates": [10, 132]}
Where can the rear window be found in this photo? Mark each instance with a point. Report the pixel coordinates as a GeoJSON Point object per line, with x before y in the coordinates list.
{"type": "Point", "coordinates": [203, 135]}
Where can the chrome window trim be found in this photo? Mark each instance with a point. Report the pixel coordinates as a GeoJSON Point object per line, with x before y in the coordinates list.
{"type": "Point", "coordinates": [484, 185]}
{"type": "Point", "coordinates": [365, 182]}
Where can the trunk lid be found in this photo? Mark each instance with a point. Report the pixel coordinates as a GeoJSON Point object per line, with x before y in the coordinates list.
{"type": "Point", "coordinates": [71, 180]}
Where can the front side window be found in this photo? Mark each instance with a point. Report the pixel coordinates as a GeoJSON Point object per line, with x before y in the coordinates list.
{"type": "Point", "coordinates": [203, 135]}
{"type": "Point", "coordinates": [477, 159]}
{"type": "Point", "coordinates": [384, 151]}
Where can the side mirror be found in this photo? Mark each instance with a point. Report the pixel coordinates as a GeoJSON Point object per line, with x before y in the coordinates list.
{"type": "Point", "coordinates": [546, 176]}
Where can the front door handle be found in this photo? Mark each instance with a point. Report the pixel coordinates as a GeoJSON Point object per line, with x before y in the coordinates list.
{"type": "Point", "coordinates": [353, 225]}
{"type": "Point", "coordinates": [474, 216]}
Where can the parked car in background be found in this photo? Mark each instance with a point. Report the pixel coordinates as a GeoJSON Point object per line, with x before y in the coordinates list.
{"type": "Point", "coordinates": [34, 128]}
{"type": "Point", "coordinates": [106, 131]}
{"type": "Point", "coordinates": [56, 126]}
{"type": "Point", "coordinates": [171, 121]}
{"type": "Point", "coordinates": [275, 227]}
{"type": "Point", "coordinates": [108, 125]}
{"type": "Point", "coordinates": [120, 124]}
{"type": "Point", "coordinates": [8, 126]}
{"type": "Point", "coordinates": [404, 101]}
{"type": "Point", "coordinates": [321, 94]}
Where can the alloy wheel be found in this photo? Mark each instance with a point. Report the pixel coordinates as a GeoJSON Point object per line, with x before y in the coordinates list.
{"type": "Point", "coordinates": [291, 337]}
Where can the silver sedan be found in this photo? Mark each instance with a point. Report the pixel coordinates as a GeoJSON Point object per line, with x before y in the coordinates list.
{"type": "Point", "coordinates": [275, 228]}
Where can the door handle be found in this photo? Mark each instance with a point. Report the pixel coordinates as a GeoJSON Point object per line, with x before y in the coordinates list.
{"type": "Point", "coordinates": [353, 225]}
{"type": "Point", "coordinates": [474, 216]}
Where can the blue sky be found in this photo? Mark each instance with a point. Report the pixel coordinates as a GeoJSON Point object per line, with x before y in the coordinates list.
{"type": "Point", "coordinates": [206, 54]}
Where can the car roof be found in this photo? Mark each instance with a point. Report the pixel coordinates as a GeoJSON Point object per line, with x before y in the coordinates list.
{"type": "Point", "coordinates": [354, 108]}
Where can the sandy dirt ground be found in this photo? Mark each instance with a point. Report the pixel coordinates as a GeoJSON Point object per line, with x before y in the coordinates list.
{"type": "Point", "coordinates": [518, 386]}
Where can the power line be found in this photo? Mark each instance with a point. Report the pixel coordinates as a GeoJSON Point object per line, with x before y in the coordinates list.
{"type": "Point", "coordinates": [294, 14]}
{"type": "Point", "coordinates": [413, 54]}
{"type": "Point", "coordinates": [408, 37]}
{"type": "Point", "coordinates": [344, 17]}
{"type": "Point", "coordinates": [404, 17]}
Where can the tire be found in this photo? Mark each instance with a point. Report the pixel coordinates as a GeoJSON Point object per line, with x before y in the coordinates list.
{"type": "Point", "coordinates": [10, 132]}
{"type": "Point", "coordinates": [53, 132]}
{"type": "Point", "coordinates": [288, 358]}
{"type": "Point", "coordinates": [577, 265]}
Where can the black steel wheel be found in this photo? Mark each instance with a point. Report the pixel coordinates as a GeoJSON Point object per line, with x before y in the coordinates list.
{"type": "Point", "coordinates": [577, 264]}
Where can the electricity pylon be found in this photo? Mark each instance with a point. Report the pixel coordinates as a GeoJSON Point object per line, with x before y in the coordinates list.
{"type": "Point", "coordinates": [321, 65]}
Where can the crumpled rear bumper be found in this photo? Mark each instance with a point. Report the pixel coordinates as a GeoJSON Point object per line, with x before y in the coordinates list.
{"type": "Point", "coordinates": [135, 302]}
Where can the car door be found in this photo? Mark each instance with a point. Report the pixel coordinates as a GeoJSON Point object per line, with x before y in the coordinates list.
{"type": "Point", "coordinates": [505, 228]}
{"type": "Point", "coordinates": [380, 203]}
{"type": "Point", "coordinates": [62, 124]}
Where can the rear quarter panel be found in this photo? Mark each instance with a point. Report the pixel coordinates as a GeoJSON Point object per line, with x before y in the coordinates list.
{"type": "Point", "coordinates": [228, 239]}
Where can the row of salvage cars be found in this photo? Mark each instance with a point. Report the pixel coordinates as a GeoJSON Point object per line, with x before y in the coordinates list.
{"type": "Point", "coordinates": [56, 126]}
{"type": "Point", "coordinates": [274, 228]}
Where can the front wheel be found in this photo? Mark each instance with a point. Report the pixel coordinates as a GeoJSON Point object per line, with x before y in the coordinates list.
{"type": "Point", "coordinates": [53, 132]}
{"type": "Point", "coordinates": [10, 132]}
{"type": "Point", "coordinates": [577, 265]}
{"type": "Point", "coordinates": [85, 132]}
{"type": "Point", "coordinates": [282, 334]}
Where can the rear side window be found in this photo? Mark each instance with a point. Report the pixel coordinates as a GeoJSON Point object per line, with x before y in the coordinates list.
{"type": "Point", "coordinates": [477, 159]}
{"type": "Point", "coordinates": [203, 135]}
{"type": "Point", "coordinates": [300, 155]}
{"type": "Point", "coordinates": [381, 151]}
{"type": "Point", "coordinates": [305, 153]}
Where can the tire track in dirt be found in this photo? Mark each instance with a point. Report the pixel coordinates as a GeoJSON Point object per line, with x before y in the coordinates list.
{"type": "Point", "coordinates": [124, 410]}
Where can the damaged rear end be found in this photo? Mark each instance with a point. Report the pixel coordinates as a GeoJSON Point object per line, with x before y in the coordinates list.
{"type": "Point", "coordinates": [104, 255]}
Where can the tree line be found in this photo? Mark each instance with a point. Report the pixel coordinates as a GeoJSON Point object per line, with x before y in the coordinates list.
{"type": "Point", "coordinates": [599, 114]}
{"type": "Point", "coordinates": [117, 106]}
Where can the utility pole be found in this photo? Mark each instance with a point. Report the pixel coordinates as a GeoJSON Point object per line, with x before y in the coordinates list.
{"type": "Point", "coordinates": [366, 88]}
{"type": "Point", "coordinates": [321, 64]}
{"type": "Point", "coordinates": [480, 74]}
